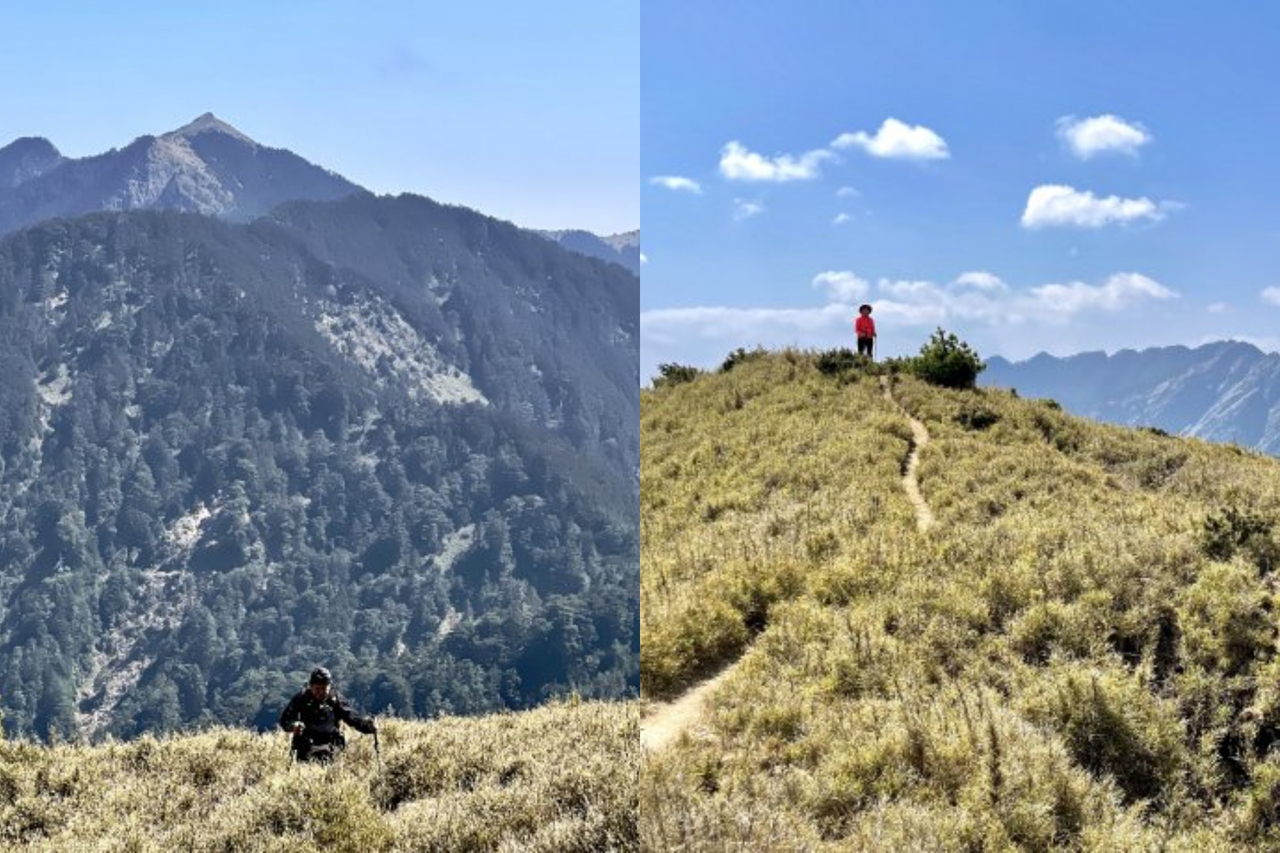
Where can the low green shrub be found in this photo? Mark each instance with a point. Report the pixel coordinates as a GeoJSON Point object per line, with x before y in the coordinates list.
{"type": "Point", "coordinates": [1224, 618]}
{"type": "Point", "coordinates": [834, 362]}
{"type": "Point", "coordinates": [1235, 531]}
{"type": "Point", "coordinates": [741, 356]}
{"type": "Point", "coordinates": [947, 361]}
{"type": "Point", "coordinates": [977, 417]}
{"type": "Point", "coordinates": [1112, 726]}
{"type": "Point", "coordinates": [674, 374]}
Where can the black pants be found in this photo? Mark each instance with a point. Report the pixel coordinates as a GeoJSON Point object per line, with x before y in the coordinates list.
{"type": "Point", "coordinates": [866, 346]}
{"type": "Point", "coordinates": [321, 750]}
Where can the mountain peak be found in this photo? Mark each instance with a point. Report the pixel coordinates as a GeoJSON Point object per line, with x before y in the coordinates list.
{"type": "Point", "coordinates": [206, 166]}
{"type": "Point", "coordinates": [208, 123]}
{"type": "Point", "coordinates": [622, 249]}
{"type": "Point", "coordinates": [31, 145]}
{"type": "Point", "coordinates": [623, 240]}
{"type": "Point", "coordinates": [26, 158]}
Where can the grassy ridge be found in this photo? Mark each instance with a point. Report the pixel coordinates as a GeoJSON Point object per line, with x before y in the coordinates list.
{"type": "Point", "coordinates": [738, 505]}
{"type": "Point", "coordinates": [1080, 655]}
{"type": "Point", "coordinates": [560, 778]}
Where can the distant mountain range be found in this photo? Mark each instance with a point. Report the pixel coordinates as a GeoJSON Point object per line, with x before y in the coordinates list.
{"type": "Point", "coordinates": [622, 249]}
{"type": "Point", "coordinates": [206, 166]}
{"type": "Point", "coordinates": [393, 436]}
{"type": "Point", "coordinates": [1227, 391]}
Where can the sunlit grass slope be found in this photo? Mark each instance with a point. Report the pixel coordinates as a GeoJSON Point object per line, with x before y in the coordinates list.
{"type": "Point", "coordinates": [1081, 654]}
{"type": "Point", "coordinates": [560, 778]}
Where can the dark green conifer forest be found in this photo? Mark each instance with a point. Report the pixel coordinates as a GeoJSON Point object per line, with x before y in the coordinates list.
{"type": "Point", "coordinates": [223, 461]}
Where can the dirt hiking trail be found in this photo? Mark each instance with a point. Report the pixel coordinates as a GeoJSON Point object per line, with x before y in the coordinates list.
{"type": "Point", "coordinates": [910, 483]}
{"type": "Point", "coordinates": [666, 720]}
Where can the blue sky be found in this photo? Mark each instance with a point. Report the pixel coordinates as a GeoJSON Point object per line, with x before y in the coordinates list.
{"type": "Point", "coordinates": [523, 111]}
{"type": "Point", "coordinates": [1033, 176]}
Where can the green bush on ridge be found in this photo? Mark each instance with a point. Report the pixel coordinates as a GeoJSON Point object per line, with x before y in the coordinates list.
{"type": "Point", "coordinates": [836, 361]}
{"type": "Point", "coordinates": [675, 374]}
{"type": "Point", "coordinates": [741, 355]}
{"type": "Point", "coordinates": [947, 361]}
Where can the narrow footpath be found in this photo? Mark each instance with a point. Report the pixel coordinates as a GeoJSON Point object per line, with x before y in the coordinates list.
{"type": "Point", "coordinates": [910, 483]}
{"type": "Point", "coordinates": [666, 720]}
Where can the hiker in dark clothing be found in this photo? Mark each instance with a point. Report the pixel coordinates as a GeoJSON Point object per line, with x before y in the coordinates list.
{"type": "Point", "coordinates": [313, 717]}
{"type": "Point", "coordinates": [865, 328]}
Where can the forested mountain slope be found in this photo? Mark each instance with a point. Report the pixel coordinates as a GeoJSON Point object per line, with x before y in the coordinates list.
{"type": "Point", "coordinates": [1079, 653]}
{"type": "Point", "coordinates": [381, 434]}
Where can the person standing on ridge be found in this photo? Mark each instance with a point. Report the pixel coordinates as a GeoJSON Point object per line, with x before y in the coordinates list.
{"type": "Point", "coordinates": [313, 717]}
{"type": "Point", "coordinates": [865, 329]}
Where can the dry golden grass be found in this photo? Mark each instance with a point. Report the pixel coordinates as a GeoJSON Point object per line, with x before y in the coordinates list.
{"type": "Point", "coordinates": [1081, 654]}
{"type": "Point", "coordinates": [559, 778]}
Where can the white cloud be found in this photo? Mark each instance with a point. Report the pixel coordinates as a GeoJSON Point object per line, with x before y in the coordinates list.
{"type": "Point", "coordinates": [1102, 134]}
{"type": "Point", "coordinates": [841, 218]}
{"type": "Point", "coordinates": [764, 325]}
{"type": "Point", "coordinates": [847, 192]}
{"type": "Point", "coordinates": [1218, 308]}
{"type": "Point", "coordinates": [913, 303]}
{"type": "Point", "coordinates": [981, 280]}
{"type": "Point", "coordinates": [912, 290]}
{"type": "Point", "coordinates": [746, 208]}
{"type": "Point", "coordinates": [1024, 318]}
{"type": "Point", "coordinates": [897, 140]}
{"type": "Point", "coordinates": [1272, 295]}
{"type": "Point", "coordinates": [910, 313]}
{"type": "Point", "coordinates": [739, 164]}
{"type": "Point", "coordinates": [677, 183]}
{"type": "Point", "coordinates": [841, 286]}
{"type": "Point", "coordinates": [644, 259]}
{"type": "Point", "coordinates": [1119, 291]}
{"type": "Point", "coordinates": [1059, 205]}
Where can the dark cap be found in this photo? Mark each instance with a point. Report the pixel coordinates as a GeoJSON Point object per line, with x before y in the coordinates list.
{"type": "Point", "coordinates": [320, 675]}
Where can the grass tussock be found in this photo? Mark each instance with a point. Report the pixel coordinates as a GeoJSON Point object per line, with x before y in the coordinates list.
{"type": "Point", "coordinates": [560, 778]}
{"type": "Point", "coordinates": [1080, 654]}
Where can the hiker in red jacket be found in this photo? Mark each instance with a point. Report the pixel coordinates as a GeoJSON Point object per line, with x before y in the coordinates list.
{"type": "Point", "coordinates": [865, 328]}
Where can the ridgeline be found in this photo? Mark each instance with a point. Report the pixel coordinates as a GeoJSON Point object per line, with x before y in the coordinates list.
{"type": "Point", "coordinates": [1079, 653]}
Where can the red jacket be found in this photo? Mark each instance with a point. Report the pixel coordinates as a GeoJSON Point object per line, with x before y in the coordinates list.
{"type": "Point", "coordinates": [864, 327]}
